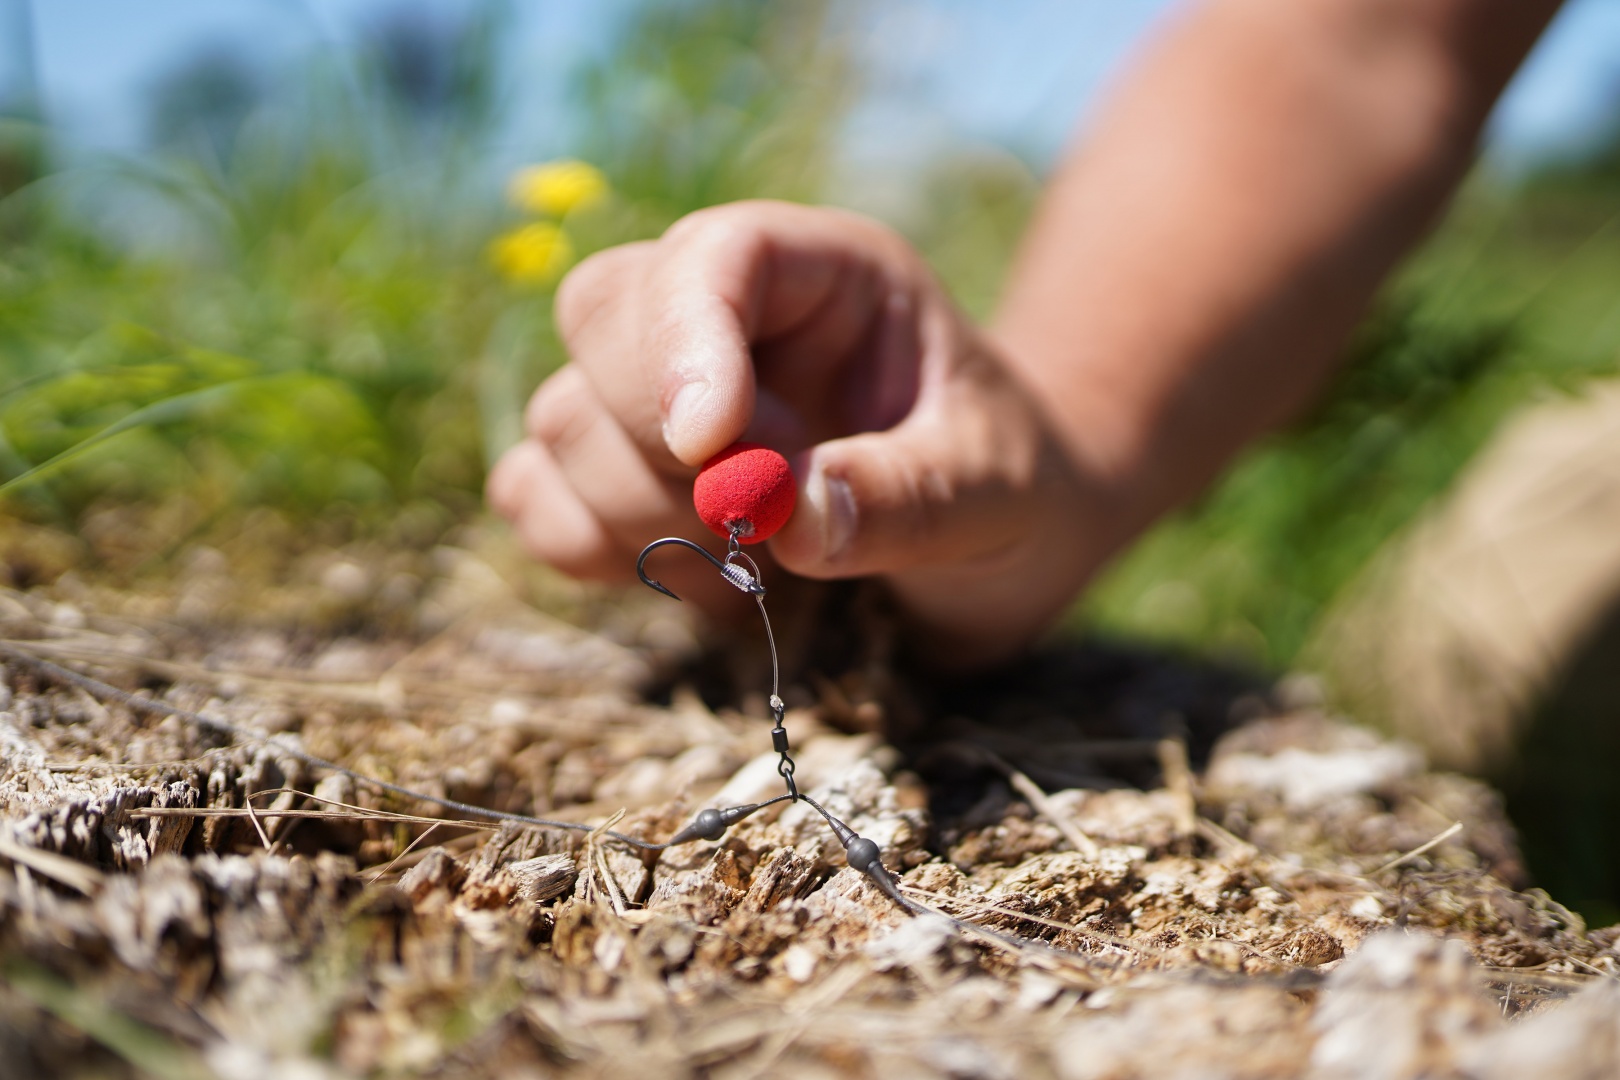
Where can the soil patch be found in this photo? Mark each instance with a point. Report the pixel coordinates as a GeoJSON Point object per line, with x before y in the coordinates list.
{"type": "Point", "coordinates": [1174, 874]}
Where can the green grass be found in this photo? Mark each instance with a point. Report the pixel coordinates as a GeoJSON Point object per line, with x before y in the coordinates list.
{"type": "Point", "coordinates": [317, 329]}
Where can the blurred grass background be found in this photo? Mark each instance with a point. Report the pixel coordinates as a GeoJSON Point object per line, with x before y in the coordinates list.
{"type": "Point", "coordinates": [285, 303]}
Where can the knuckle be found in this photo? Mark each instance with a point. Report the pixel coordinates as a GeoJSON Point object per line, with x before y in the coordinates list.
{"type": "Point", "coordinates": [579, 296]}
{"type": "Point", "coordinates": [925, 490]}
{"type": "Point", "coordinates": [577, 560]}
{"type": "Point", "coordinates": [698, 223]}
{"type": "Point", "coordinates": [562, 411]}
{"type": "Point", "coordinates": [576, 547]}
{"type": "Point", "coordinates": [717, 227]}
{"type": "Point", "coordinates": [505, 489]}
{"type": "Point", "coordinates": [590, 290]}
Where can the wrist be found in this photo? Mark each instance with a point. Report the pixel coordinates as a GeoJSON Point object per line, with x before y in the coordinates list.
{"type": "Point", "coordinates": [1106, 429]}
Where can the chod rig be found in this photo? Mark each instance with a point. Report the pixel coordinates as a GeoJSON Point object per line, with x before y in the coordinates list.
{"type": "Point", "coordinates": [862, 853]}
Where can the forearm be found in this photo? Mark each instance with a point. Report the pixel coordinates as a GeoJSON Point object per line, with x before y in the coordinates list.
{"type": "Point", "coordinates": [1197, 264]}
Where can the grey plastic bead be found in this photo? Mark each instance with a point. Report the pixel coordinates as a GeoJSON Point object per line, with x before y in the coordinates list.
{"type": "Point", "coordinates": [862, 853]}
{"type": "Point", "coordinates": [709, 824]}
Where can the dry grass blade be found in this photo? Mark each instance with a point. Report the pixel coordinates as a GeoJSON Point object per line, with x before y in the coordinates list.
{"type": "Point", "coordinates": [384, 693]}
{"type": "Point", "coordinates": [597, 861]}
{"type": "Point", "coordinates": [1545, 980]}
{"type": "Point", "coordinates": [129, 766]}
{"type": "Point", "coordinates": [452, 847]}
{"type": "Point", "coordinates": [309, 815]}
{"type": "Point", "coordinates": [1077, 839]}
{"type": "Point", "coordinates": [247, 806]}
{"type": "Point", "coordinates": [980, 907]}
{"type": "Point", "coordinates": [1042, 805]}
{"type": "Point", "coordinates": [412, 846]}
{"type": "Point", "coordinates": [1178, 780]}
{"type": "Point", "coordinates": [1422, 849]}
{"type": "Point", "coordinates": [59, 868]}
{"type": "Point", "coordinates": [1032, 953]}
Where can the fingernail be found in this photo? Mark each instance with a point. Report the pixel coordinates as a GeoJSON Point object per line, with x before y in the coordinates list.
{"type": "Point", "coordinates": [682, 416]}
{"type": "Point", "coordinates": [838, 514]}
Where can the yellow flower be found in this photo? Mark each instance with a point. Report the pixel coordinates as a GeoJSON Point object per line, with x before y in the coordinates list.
{"type": "Point", "coordinates": [557, 187]}
{"type": "Point", "coordinates": [534, 254]}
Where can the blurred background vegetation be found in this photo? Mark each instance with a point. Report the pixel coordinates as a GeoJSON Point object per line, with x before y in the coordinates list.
{"type": "Point", "coordinates": [1513, 300]}
{"type": "Point", "coordinates": [289, 300]}
{"type": "Point", "coordinates": [309, 296]}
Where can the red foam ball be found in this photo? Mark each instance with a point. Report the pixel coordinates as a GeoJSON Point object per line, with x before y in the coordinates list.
{"type": "Point", "coordinates": [746, 488]}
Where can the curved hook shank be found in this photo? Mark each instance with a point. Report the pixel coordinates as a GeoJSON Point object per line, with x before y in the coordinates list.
{"type": "Point", "coordinates": [651, 582]}
{"type": "Point", "coordinates": [738, 576]}
{"type": "Point", "coordinates": [744, 578]}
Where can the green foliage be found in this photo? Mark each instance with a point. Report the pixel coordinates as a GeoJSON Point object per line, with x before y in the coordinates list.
{"type": "Point", "coordinates": [710, 102]}
{"type": "Point", "coordinates": [970, 211]}
{"type": "Point", "coordinates": [1512, 299]}
{"type": "Point", "coordinates": [317, 327]}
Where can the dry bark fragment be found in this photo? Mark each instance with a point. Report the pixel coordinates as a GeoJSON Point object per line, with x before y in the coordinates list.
{"type": "Point", "coordinates": [438, 871]}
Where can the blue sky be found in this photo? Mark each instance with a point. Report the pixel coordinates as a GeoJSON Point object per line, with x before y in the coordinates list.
{"type": "Point", "coordinates": [1017, 73]}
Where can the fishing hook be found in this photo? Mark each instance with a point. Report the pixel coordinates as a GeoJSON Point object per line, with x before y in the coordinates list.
{"type": "Point", "coordinates": [739, 576]}
{"type": "Point", "coordinates": [745, 578]}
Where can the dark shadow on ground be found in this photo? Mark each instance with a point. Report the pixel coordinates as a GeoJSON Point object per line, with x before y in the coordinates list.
{"type": "Point", "coordinates": [1076, 713]}
{"type": "Point", "coordinates": [1563, 789]}
{"type": "Point", "coordinates": [1083, 713]}
{"type": "Point", "coordinates": [1091, 713]}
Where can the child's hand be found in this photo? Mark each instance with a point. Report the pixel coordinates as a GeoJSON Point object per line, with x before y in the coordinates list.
{"type": "Point", "coordinates": [820, 333]}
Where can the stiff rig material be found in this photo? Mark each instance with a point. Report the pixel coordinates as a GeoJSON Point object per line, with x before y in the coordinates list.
{"type": "Point", "coordinates": [743, 573]}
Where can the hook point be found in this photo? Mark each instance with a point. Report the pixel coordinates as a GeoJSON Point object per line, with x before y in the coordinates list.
{"type": "Point", "coordinates": [660, 586]}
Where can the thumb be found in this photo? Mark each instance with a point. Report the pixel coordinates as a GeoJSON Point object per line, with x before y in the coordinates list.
{"type": "Point", "coordinates": [975, 517]}
{"type": "Point", "coordinates": [942, 487]}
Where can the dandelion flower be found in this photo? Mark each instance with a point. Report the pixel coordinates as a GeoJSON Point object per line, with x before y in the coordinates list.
{"type": "Point", "coordinates": [534, 254]}
{"type": "Point", "coordinates": [557, 187]}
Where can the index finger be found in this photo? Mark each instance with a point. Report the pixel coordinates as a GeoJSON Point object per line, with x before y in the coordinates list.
{"type": "Point", "coordinates": [667, 343]}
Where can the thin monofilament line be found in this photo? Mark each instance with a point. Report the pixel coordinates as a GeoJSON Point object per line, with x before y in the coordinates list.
{"type": "Point", "coordinates": [101, 690]}
{"type": "Point", "coordinates": [755, 587]}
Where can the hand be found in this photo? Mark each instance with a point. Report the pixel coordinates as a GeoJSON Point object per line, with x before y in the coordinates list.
{"type": "Point", "coordinates": [820, 333]}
